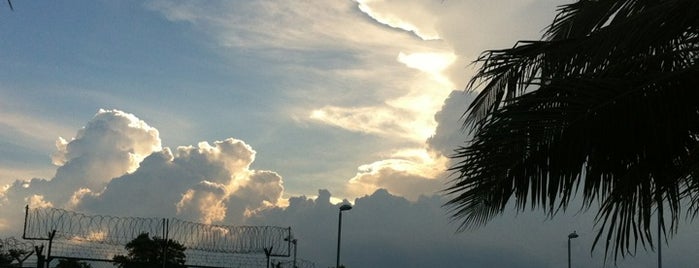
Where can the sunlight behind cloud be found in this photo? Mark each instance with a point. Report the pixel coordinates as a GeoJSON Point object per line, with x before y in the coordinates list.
{"type": "Point", "coordinates": [410, 115]}
{"type": "Point", "coordinates": [431, 63]}
{"type": "Point", "coordinates": [396, 21]}
{"type": "Point", "coordinates": [408, 172]}
{"type": "Point", "coordinates": [37, 201]}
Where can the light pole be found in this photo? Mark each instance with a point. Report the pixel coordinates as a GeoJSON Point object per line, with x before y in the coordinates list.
{"type": "Point", "coordinates": [570, 236]}
{"type": "Point", "coordinates": [660, 243]}
{"type": "Point", "coordinates": [293, 241]}
{"type": "Point", "coordinates": [339, 231]}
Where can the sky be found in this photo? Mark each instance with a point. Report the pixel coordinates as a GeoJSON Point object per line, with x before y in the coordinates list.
{"type": "Point", "coordinates": [272, 113]}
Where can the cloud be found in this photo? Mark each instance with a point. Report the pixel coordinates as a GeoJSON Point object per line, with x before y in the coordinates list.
{"type": "Point", "coordinates": [468, 27]}
{"type": "Point", "coordinates": [407, 173]}
{"type": "Point", "coordinates": [115, 165]}
{"type": "Point", "coordinates": [111, 144]}
{"type": "Point", "coordinates": [203, 202]}
{"type": "Point", "coordinates": [371, 120]}
{"type": "Point", "coordinates": [387, 89]}
{"type": "Point", "coordinates": [211, 183]}
{"type": "Point", "coordinates": [450, 133]}
{"type": "Point", "coordinates": [406, 15]}
{"type": "Point", "coordinates": [421, 171]}
{"type": "Point", "coordinates": [385, 230]}
{"type": "Point", "coordinates": [381, 82]}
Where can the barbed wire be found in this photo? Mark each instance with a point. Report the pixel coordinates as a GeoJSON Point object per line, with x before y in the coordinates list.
{"type": "Point", "coordinates": [112, 230]}
{"type": "Point", "coordinates": [103, 229]}
{"type": "Point", "coordinates": [16, 244]}
{"type": "Point", "coordinates": [231, 239]}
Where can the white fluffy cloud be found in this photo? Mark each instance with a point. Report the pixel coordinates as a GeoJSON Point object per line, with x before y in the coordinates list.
{"type": "Point", "coordinates": [115, 165]}
{"type": "Point", "coordinates": [409, 174]}
{"type": "Point", "coordinates": [204, 202]}
{"type": "Point", "coordinates": [111, 144]}
{"type": "Point", "coordinates": [209, 183]}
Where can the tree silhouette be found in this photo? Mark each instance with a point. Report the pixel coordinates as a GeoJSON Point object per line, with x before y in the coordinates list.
{"type": "Point", "coordinates": [5, 257]}
{"type": "Point", "coordinates": [146, 252]}
{"type": "Point", "coordinates": [13, 250]}
{"type": "Point", "coordinates": [606, 104]}
{"type": "Point", "coordinates": [71, 263]}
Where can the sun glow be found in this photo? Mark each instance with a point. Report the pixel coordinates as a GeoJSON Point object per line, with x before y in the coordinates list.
{"type": "Point", "coordinates": [431, 63]}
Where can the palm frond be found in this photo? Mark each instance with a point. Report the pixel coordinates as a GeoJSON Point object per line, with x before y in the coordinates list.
{"type": "Point", "coordinates": [605, 104]}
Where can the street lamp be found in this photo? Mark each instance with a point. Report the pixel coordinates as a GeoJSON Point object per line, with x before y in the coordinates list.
{"type": "Point", "coordinates": [293, 241]}
{"type": "Point", "coordinates": [339, 231]}
{"type": "Point", "coordinates": [570, 236]}
{"type": "Point", "coordinates": [660, 245]}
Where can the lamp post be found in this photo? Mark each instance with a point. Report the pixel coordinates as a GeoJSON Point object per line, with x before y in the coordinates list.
{"type": "Point", "coordinates": [293, 241]}
{"type": "Point", "coordinates": [339, 231]}
{"type": "Point", "coordinates": [570, 236]}
{"type": "Point", "coordinates": [660, 245]}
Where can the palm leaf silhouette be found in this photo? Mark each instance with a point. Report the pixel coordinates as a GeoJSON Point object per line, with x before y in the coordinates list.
{"type": "Point", "coordinates": [606, 104]}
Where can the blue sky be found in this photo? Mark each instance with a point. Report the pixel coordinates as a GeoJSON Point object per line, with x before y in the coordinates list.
{"type": "Point", "coordinates": [241, 106]}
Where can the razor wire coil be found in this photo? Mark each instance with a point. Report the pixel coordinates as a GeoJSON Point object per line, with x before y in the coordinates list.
{"type": "Point", "coordinates": [41, 223]}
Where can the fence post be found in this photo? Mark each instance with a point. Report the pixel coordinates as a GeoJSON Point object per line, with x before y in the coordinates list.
{"type": "Point", "coordinates": [39, 256]}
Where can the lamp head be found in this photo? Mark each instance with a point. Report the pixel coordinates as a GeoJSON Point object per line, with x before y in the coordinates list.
{"type": "Point", "coordinates": [345, 207]}
{"type": "Point", "coordinates": [572, 235]}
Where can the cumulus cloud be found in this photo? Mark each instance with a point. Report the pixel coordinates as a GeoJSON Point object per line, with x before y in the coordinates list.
{"type": "Point", "coordinates": [450, 132]}
{"type": "Point", "coordinates": [111, 144]}
{"type": "Point", "coordinates": [204, 202]}
{"type": "Point", "coordinates": [407, 173]}
{"type": "Point", "coordinates": [115, 165]}
{"type": "Point", "coordinates": [210, 183]}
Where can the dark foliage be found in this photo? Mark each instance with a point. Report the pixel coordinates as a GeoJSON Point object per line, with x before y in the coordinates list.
{"type": "Point", "coordinates": [5, 257]}
{"type": "Point", "coordinates": [604, 107]}
{"type": "Point", "coordinates": [145, 251]}
{"type": "Point", "coordinates": [70, 263]}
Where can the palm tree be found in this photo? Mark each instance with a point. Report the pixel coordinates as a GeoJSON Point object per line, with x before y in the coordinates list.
{"type": "Point", "coordinates": [606, 104]}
